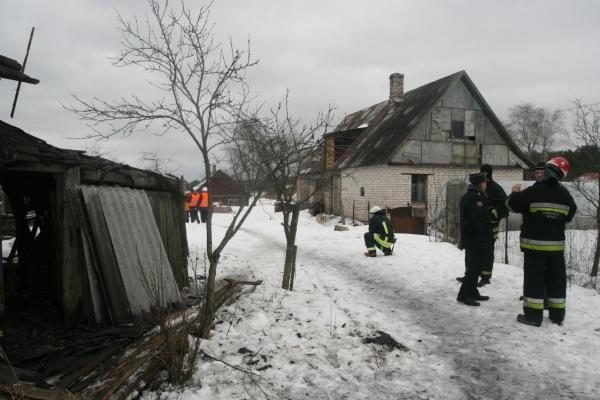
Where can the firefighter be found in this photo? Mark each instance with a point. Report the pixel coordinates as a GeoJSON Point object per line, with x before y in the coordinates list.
{"type": "Point", "coordinates": [496, 202]}
{"type": "Point", "coordinates": [546, 207]}
{"type": "Point", "coordinates": [539, 171]}
{"type": "Point", "coordinates": [475, 237]}
{"type": "Point", "coordinates": [194, 202]}
{"type": "Point", "coordinates": [381, 233]}
{"type": "Point", "coordinates": [204, 204]}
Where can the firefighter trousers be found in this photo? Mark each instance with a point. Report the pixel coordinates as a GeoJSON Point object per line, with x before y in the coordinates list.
{"type": "Point", "coordinates": [488, 262]}
{"type": "Point", "coordinates": [544, 276]}
{"type": "Point", "coordinates": [382, 244]}
{"type": "Point", "coordinates": [474, 259]}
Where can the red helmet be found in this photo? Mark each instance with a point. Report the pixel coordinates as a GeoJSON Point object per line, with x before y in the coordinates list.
{"type": "Point", "coordinates": [560, 163]}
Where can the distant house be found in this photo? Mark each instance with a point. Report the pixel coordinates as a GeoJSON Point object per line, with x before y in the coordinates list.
{"type": "Point", "coordinates": [225, 190]}
{"type": "Point", "coordinates": [413, 152]}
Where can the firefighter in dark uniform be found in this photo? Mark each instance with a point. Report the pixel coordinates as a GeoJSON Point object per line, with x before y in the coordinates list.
{"type": "Point", "coordinates": [381, 233]}
{"type": "Point", "coordinates": [475, 237]}
{"type": "Point", "coordinates": [539, 171]}
{"type": "Point", "coordinates": [496, 203]}
{"type": "Point", "coordinates": [546, 207]}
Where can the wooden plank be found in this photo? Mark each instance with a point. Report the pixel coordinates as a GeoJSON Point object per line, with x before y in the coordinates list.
{"type": "Point", "coordinates": [94, 284]}
{"type": "Point", "coordinates": [28, 391]}
{"type": "Point", "coordinates": [117, 298]}
{"type": "Point", "coordinates": [71, 274]}
{"type": "Point", "coordinates": [1, 272]}
{"type": "Point", "coordinates": [96, 290]}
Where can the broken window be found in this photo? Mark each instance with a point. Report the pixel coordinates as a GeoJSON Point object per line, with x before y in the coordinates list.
{"type": "Point", "coordinates": [418, 188]}
{"type": "Point", "coordinates": [458, 129]}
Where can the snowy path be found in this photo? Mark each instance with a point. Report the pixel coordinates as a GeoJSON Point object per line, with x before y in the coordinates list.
{"type": "Point", "coordinates": [312, 337]}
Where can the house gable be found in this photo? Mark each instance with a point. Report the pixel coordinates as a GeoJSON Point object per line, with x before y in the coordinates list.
{"type": "Point", "coordinates": [460, 129]}
{"type": "Point", "coordinates": [444, 122]}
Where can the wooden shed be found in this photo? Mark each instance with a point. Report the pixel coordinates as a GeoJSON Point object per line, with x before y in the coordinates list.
{"type": "Point", "coordinates": [96, 240]}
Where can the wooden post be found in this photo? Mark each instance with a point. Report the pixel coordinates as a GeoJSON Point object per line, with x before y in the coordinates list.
{"type": "Point", "coordinates": [353, 206]}
{"type": "Point", "coordinates": [506, 240]}
{"type": "Point", "coordinates": [1, 274]}
{"type": "Point", "coordinates": [72, 276]}
{"type": "Point", "coordinates": [12, 113]}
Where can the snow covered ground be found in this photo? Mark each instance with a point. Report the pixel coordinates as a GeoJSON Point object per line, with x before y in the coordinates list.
{"type": "Point", "coordinates": [309, 343]}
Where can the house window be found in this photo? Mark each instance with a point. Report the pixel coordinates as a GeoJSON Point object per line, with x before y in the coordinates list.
{"type": "Point", "coordinates": [418, 188]}
{"type": "Point", "coordinates": [458, 129]}
{"type": "Point", "coordinates": [362, 191]}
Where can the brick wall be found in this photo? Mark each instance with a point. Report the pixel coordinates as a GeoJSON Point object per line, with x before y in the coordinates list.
{"type": "Point", "coordinates": [390, 186]}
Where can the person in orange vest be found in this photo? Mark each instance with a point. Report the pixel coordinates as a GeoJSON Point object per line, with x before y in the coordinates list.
{"type": "Point", "coordinates": [194, 203]}
{"type": "Point", "coordinates": [204, 204]}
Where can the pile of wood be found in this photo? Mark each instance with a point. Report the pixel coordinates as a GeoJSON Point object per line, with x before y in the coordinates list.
{"type": "Point", "coordinates": [109, 364]}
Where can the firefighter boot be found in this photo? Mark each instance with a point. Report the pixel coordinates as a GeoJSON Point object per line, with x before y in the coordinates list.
{"type": "Point", "coordinates": [523, 319]}
{"type": "Point", "coordinates": [483, 282]}
{"type": "Point", "coordinates": [468, 301]}
{"type": "Point", "coordinates": [371, 253]}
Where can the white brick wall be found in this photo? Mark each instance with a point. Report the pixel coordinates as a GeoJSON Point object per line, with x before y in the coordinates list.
{"type": "Point", "coordinates": [389, 185]}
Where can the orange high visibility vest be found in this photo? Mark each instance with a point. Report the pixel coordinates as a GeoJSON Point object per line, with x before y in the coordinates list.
{"type": "Point", "coordinates": [195, 200]}
{"type": "Point", "coordinates": [204, 200]}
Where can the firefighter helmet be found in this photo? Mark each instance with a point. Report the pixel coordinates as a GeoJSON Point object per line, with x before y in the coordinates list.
{"type": "Point", "coordinates": [374, 209]}
{"type": "Point", "coordinates": [560, 164]}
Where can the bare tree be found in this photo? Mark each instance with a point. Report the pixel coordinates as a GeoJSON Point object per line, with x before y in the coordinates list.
{"type": "Point", "coordinates": [586, 129]}
{"type": "Point", "coordinates": [204, 87]}
{"type": "Point", "coordinates": [153, 161]}
{"type": "Point", "coordinates": [278, 148]}
{"type": "Point", "coordinates": [535, 128]}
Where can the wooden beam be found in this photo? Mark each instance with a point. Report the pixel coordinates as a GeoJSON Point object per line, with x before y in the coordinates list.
{"type": "Point", "coordinates": [70, 259]}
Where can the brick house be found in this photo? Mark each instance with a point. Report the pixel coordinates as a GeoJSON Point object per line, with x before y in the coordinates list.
{"type": "Point", "coordinates": [225, 190]}
{"type": "Point", "coordinates": [413, 152]}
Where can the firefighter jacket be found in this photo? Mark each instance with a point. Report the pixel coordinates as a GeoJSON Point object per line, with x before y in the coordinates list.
{"type": "Point", "coordinates": [381, 228]}
{"type": "Point", "coordinates": [546, 208]}
{"type": "Point", "coordinates": [497, 205]}
{"type": "Point", "coordinates": [204, 200]}
{"type": "Point", "coordinates": [475, 220]}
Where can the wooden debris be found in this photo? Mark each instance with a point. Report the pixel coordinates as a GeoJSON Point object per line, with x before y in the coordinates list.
{"type": "Point", "coordinates": [111, 363]}
{"type": "Point", "coordinates": [24, 390]}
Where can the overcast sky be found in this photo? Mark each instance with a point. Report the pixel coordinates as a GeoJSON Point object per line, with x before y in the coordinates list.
{"type": "Point", "coordinates": [326, 52]}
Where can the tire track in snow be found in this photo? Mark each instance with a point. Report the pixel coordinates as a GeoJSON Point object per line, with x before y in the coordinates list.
{"type": "Point", "coordinates": [460, 335]}
{"type": "Point", "coordinates": [468, 341]}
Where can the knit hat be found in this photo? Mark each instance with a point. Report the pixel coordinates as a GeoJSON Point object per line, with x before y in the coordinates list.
{"type": "Point", "coordinates": [477, 178]}
{"type": "Point", "coordinates": [540, 166]}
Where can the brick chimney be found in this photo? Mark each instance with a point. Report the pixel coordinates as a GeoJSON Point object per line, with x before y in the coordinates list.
{"type": "Point", "coordinates": [396, 87]}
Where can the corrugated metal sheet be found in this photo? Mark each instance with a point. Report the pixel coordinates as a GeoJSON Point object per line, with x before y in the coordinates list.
{"type": "Point", "coordinates": [141, 257]}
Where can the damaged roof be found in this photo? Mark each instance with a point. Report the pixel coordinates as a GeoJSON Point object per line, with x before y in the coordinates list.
{"type": "Point", "coordinates": [387, 125]}
{"type": "Point", "coordinates": [19, 149]}
{"type": "Point", "coordinates": [11, 69]}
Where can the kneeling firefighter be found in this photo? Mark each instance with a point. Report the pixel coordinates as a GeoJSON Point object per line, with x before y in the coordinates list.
{"type": "Point", "coordinates": [381, 233]}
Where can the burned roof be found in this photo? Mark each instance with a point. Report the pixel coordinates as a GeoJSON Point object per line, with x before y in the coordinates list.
{"type": "Point", "coordinates": [388, 124]}
{"type": "Point", "coordinates": [11, 69]}
{"type": "Point", "coordinates": [20, 150]}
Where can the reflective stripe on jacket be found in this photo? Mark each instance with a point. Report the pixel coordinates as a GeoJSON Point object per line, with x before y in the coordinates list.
{"type": "Point", "coordinates": [382, 230]}
{"type": "Point", "coordinates": [546, 207]}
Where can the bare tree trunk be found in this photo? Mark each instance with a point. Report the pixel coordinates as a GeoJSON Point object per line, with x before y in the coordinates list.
{"type": "Point", "coordinates": [293, 268]}
{"type": "Point", "coordinates": [594, 272]}
{"type": "Point", "coordinates": [290, 253]}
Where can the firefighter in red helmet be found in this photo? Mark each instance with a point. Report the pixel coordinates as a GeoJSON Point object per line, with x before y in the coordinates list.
{"type": "Point", "coordinates": [546, 207]}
